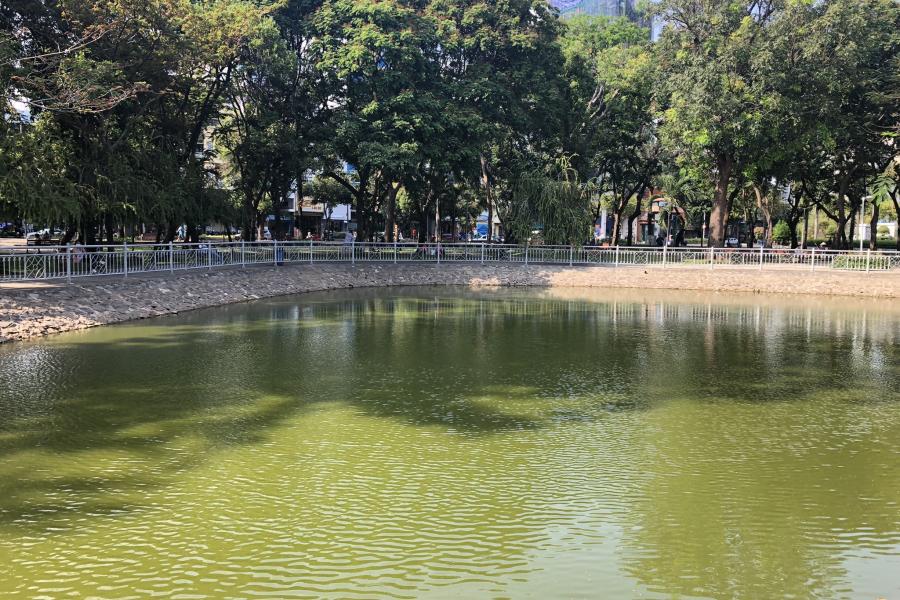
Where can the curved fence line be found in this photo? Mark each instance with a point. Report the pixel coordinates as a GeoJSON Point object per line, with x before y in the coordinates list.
{"type": "Point", "coordinates": [35, 263]}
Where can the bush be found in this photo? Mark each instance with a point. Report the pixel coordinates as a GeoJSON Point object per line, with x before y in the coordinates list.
{"type": "Point", "coordinates": [781, 233]}
{"type": "Point", "coordinates": [884, 231]}
{"type": "Point", "coordinates": [859, 262]}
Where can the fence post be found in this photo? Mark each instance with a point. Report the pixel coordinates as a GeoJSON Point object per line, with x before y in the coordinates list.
{"type": "Point", "coordinates": [437, 251]}
{"type": "Point", "coordinates": [617, 256]}
{"type": "Point", "coordinates": [171, 258]}
{"type": "Point", "coordinates": [209, 255]}
{"type": "Point", "coordinates": [395, 251]}
{"type": "Point", "coordinates": [665, 251]}
{"type": "Point", "coordinates": [353, 252]}
{"type": "Point", "coordinates": [812, 260]}
{"type": "Point", "coordinates": [571, 254]}
{"type": "Point", "coordinates": [125, 257]}
{"type": "Point", "coordinates": [526, 253]}
{"type": "Point", "coordinates": [868, 259]}
{"type": "Point", "coordinates": [243, 257]}
{"type": "Point", "coordinates": [761, 249]}
{"type": "Point", "coordinates": [482, 252]}
{"type": "Point", "coordinates": [310, 251]}
{"type": "Point", "coordinates": [712, 257]}
{"type": "Point", "coordinates": [69, 263]}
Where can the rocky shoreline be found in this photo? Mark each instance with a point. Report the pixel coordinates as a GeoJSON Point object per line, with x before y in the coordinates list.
{"type": "Point", "coordinates": [34, 310]}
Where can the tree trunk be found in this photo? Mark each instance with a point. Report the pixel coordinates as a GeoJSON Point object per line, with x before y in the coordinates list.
{"type": "Point", "coordinates": [895, 198]}
{"type": "Point", "coordinates": [248, 217]}
{"type": "Point", "coordinates": [617, 226]}
{"type": "Point", "coordinates": [873, 227]}
{"type": "Point", "coordinates": [486, 184]}
{"type": "Point", "coordinates": [851, 238]}
{"type": "Point", "coordinates": [422, 230]}
{"type": "Point", "coordinates": [260, 223]}
{"type": "Point", "coordinates": [171, 228]}
{"type": "Point", "coordinates": [805, 230]}
{"type": "Point", "coordinates": [192, 233]}
{"type": "Point", "coordinates": [90, 232]}
{"type": "Point", "coordinates": [639, 196]}
{"type": "Point", "coordinates": [682, 225]}
{"type": "Point", "coordinates": [718, 216]}
{"type": "Point", "coordinates": [437, 218]}
{"type": "Point", "coordinates": [362, 211]}
{"type": "Point", "coordinates": [750, 218]}
{"type": "Point", "coordinates": [762, 202]}
{"type": "Point", "coordinates": [840, 236]}
{"type": "Point", "coordinates": [629, 234]}
{"type": "Point", "coordinates": [109, 229]}
{"type": "Point", "coordinates": [277, 197]}
{"type": "Point", "coordinates": [390, 212]}
{"type": "Point", "coordinates": [490, 223]}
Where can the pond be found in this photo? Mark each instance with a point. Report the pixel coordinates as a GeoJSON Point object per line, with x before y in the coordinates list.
{"type": "Point", "coordinates": [454, 443]}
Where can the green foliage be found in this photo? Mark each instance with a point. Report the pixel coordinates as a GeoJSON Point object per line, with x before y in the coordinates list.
{"type": "Point", "coordinates": [556, 205]}
{"type": "Point", "coordinates": [329, 192]}
{"type": "Point", "coordinates": [448, 107]}
{"type": "Point", "coordinates": [781, 233]}
{"type": "Point", "coordinates": [862, 263]}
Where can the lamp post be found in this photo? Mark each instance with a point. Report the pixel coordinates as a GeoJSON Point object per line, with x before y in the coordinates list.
{"type": "Point", "coordinates": [703, 230]}
{"type": "Point", "coordinates": [669, 229]}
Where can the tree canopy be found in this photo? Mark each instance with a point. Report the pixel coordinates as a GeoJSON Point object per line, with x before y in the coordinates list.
{"type": "Point", "coordinates": [124, 114]}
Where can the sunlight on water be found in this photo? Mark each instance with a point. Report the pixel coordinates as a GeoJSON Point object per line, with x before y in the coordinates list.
{"type": "Point", "coordinates": [439, 443]}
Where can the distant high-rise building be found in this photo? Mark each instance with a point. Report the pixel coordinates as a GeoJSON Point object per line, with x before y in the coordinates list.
{"type": "Point", "coordinates": [606, 8]}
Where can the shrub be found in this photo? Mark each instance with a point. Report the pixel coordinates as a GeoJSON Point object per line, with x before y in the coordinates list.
{"type": "Point", "coordinates": [781, 233]}
{"type": "Point", "coordinates": [858, 262]}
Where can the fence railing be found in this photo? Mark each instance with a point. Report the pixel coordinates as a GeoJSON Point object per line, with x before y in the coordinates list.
{"type": "Point", "coordinates": [73, 261]}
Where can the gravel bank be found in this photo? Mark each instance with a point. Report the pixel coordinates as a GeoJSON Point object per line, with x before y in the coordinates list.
{"type": "Point", "coordinates": [33, 310]}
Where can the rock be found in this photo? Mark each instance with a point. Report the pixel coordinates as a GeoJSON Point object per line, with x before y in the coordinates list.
{"type": "Point", "coordinates": [26, 313]}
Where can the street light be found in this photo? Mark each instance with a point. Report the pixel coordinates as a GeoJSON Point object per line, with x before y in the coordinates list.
{"type": "Point", "coordinates": [703, 230]}
{"type": "Point", "coordinates": [668, 228]}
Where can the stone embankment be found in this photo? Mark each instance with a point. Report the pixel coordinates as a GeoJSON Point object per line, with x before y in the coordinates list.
{"type": "Point", "coordinates": [32, 310]}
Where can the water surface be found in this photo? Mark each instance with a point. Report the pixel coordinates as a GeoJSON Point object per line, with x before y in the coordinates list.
{"type": "Point", "coordinates": [441, 443]}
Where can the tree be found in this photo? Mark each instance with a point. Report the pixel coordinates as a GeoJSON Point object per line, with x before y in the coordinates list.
{"type": "Point", "coordinates": [375, 56]}
{"type": "Point", "coordinates": [886, 191]}
{"type": "Point", "coordinates": [604, 59]}
{"type": "Point", "coordinates": [126, 104]}
{"type": "Point", "coordinates": [507, 63]}
{"type": "Point", "coordinates": [713, 105]}
{"type": "Point", "coordinates": [852, 139]}
{"type": "Point", "coordinates": [557, 204]}
{"type": "Point", "coordinates": [275, 115]}
{"type": "Point", "coordinates": [609, 124]}
{"type": "Point", "coordinates": [782, 233]}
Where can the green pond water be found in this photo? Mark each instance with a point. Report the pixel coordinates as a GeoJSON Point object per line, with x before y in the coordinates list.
{"type": "Point", "coordinates": [455, 444]}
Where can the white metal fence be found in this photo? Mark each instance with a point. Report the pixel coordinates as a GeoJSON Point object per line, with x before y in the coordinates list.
{"type": "Point", "coordinates": [67, 262]}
